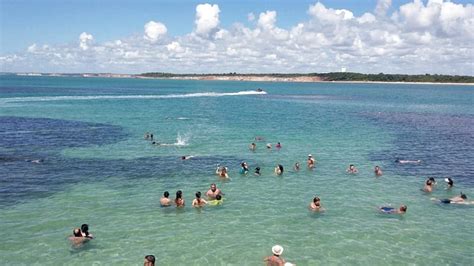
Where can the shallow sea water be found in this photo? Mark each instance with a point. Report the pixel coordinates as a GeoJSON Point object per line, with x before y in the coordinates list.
{"type": "Point", "coordinates": [95, 167]}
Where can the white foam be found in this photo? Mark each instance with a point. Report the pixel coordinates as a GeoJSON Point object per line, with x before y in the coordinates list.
{"type": "Point", "coordinates": [126, 97]}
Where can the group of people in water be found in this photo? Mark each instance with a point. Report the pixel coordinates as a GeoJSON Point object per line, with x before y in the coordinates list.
{"type": "Point", "coordinates": [214, 197]}
{"type": "Point", "coordinates": [80, 235]}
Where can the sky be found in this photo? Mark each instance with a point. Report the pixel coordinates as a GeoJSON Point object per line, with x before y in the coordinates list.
{"type": "Point", "coordinates": [243, 36]}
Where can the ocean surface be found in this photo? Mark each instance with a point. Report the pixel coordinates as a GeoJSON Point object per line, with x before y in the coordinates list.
{"type": "Point", "coordinates": [72, 151]}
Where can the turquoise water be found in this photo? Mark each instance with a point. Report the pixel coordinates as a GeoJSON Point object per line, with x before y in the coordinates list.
{"type": "Point", "coordinates": [95, 167]}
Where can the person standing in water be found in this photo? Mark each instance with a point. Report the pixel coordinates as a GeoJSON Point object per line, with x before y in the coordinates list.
{"type": "Point", "coordinates": [198, 202]}
{"type": "Point", "coordinates": [310, 162]}
{"type": "Point", "coordinates": [213, 192]}
{"type": "Point", "coordinates": [179, 201]}
{"type": "Point", "coordinates": [275, 259]}
{"type": "Point", "coordinates": [377, 171]}
{"type": "Point", "coordinates": [165, 201]}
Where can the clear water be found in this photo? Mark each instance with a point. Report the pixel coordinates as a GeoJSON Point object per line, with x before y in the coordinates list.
{"type": "Point", "coordinates": [95, 167]}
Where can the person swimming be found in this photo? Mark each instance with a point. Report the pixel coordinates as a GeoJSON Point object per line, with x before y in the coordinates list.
{"type": "Point", "coordinates": [450, 182]}
{"type": "Point", "coordinates": [165, 201]}
{"type": "Point", "coordinates": [257, 171]}
{"type": "Point", "coordinates": [390, 210]}
{"type": "Point", "coordinates": [217, 201]}
{"type": "Point", "coordinates": [352, 169]}
{"type": "Point", "coordinates": [213, 192]}
{"type": "Point", "coordinates": [377, 171]}
{"type": "Point", "coordinates": [253, 146]}
{"type": "Point", "coordinates": [269, 146]}
{"type": "Point", "coordinates": [198, 202]}
{"type": "Point", "coordinates": [279, 169]}
{"type": "Point", "coordinates": [85, 231]}
{"type": "Point", "coordinates": [428, 186]}
{"type": "Point", "coordinates": [311, 161]}
{"type": "Point", "coordinates": [222, 172]}
{"type": "Point", "coordinates": [315, 205]}
{"type": "Point", "coordinates": [77, 239]}
{"type": "Point", "coordinates": [179, 201]}
{"type": "Point", "coordinates": [296, 167]}
{"type": "Point", "coordinates": [278, 145]}
{"type": "Point", "coordinates": [244, 169]}
{"type": "Point", "coordinates": [461, 199]}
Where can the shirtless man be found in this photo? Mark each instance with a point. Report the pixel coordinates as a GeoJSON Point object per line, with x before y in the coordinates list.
{"type": "Point", "coordinates": [315, 205]}
{"type": "Point", "coordinates": [428, 186]}
{"type": "Point", "coordinates": [310, 161]}
{"type": "Point", "coordinates": [275, 259]}
{"type": "Point", "coordinates": [213, 192]}
{"type": "Point", "coordinates": [352, 169]}
{"type": "Point", "coordinates": [378, 171]}
{"type": "Point", "coordinates": [165, 201]}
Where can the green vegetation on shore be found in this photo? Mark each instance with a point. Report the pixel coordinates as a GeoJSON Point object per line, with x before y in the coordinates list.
{"type": "Point", "coordinates": [333, 76]}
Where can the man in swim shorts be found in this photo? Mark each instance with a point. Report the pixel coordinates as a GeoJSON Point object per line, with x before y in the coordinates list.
{"type": "Point", "coordinates": [213, 192]}
{"type": "Point", "coordinates": [458, 199]}
{"type": "Point", "coordinates": [390, 210]}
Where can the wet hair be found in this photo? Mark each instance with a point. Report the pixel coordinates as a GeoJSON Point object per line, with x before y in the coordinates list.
{"type": "Point", "coordinates": [315, 199]}
{"type": "Point", "coordinates": [463, 196]}
{"type": "Point", "coordinates": [403, 208]}
{"type": "Point", "coordinates": [150, 258]}
{"type": "Point", "coordinates": [77, 232]}
{"type": "Point", "coordinates": [218, 197]}
{"type": "Point", "coordinates": [281, 168]}
{"type": "Point", "coordinates": [166, 194]}
{"type": "Point", "coordinates": [351, 165]}
{"type": "Point", "coordinates": [450, 181]}
{"type": "Point", "coordinates": [85, 229]}
{"type": "Point", "coordinates": [198, 194]}
{"type": "Point", "coordinates": [179, 194]}
{"type": "Point", "coordinates": [432, 179]}
{"type": "Point", "coordinates": [429, 182]}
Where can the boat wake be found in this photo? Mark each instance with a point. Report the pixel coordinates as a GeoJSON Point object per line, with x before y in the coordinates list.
{"type": "Point", "coordinates": [127, 97]}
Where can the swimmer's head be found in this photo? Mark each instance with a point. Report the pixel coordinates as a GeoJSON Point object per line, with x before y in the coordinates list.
{"type": "Point", "coordinates": [309, 155]}
{"type": "Point", "coordinates": [449, 181]}
{"type": "Point", "coordinates": [218, 197]}
{"type": "Point", "coordinates": [463, 196]}
{"type": "Point", "coordinates": [179, 194]}
{"type": "Point", "coordinates": [316, 199]}
{"type": "Point", "coordinates": [166, 194]}
{"type": "Point", "coordinates": [77, 232]}
{"type": "Point", "coordinates": [183, 157]}
{"type": "Point", "coordinates": [198, 194]}
{"type": "Point", "coordinates": [85, 228]}
{"type": "Point", "coordinates": [150, 259]}
{"type": "Point", "coordinates": [213, 187]}
{"type": "Point", "coordinates": [403, 208]}
{"type": "Point", "coordinates": [432, 179]}
{"type": "Point", "coordinates": [429, 182]}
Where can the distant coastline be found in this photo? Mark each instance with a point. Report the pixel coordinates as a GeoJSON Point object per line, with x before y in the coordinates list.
{"type": "Point", "coordinates": [336, 77]}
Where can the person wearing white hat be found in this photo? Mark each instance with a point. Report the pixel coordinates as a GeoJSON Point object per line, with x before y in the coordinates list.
{"type": "Point", "coordinates": [310, 161]}
{"type": "Point", "coordinates": [275, 259]}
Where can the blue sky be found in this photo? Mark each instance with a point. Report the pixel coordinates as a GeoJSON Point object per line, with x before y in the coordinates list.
{"type": "Point", "coordinates": [58, 24]}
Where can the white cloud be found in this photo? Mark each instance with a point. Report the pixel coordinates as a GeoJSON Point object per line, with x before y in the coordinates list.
{"type": "Point", "coordinates": [85, 40]}
{"type": "Point", "coordinates": [32, 48]}
{"type": "Point", "coordinates": [382, 7]}
{"type": "Point", "coordinates": [154, 31]}
{"type": "Point", "coordinates": [267, 20]}
{"type": "Point", "coordinates": [207, 18]}
{"type": "Point", "coordinates": [435, 37]}
{"type": "Point", "coordinates": [175, 47]}
{"type": "Point", "coordinates": [329, 15]}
